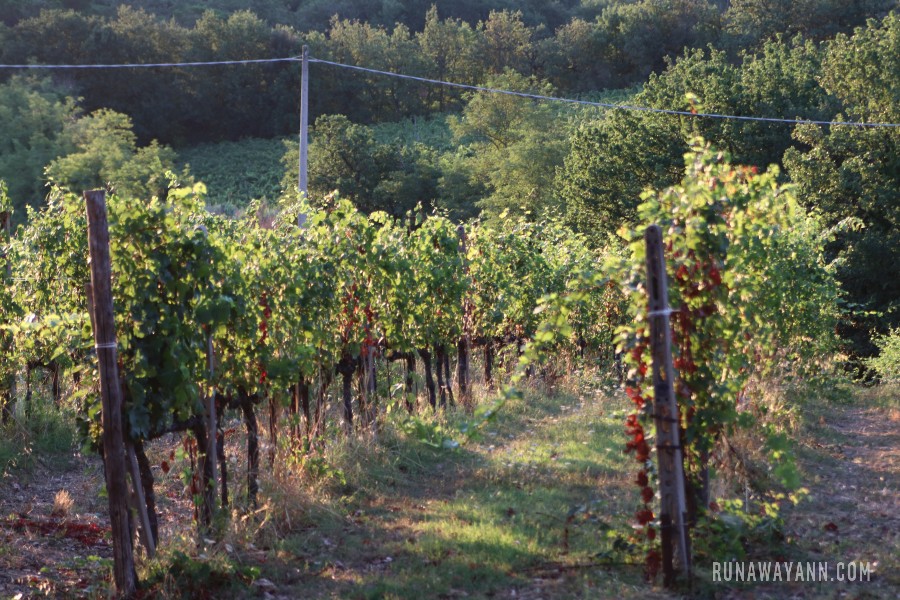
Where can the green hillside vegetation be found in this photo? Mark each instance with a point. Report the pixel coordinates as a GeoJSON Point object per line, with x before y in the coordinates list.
{"type": "Point", "coordinates": [391, 144]}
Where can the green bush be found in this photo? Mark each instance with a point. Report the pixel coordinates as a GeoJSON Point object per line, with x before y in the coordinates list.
{"type": "Point", "coordinates": [887, 363]}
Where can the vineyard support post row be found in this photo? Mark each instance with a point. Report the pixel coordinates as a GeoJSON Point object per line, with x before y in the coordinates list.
{"type": "Point", "coordinates": [110, 391]}
{"type": "Point", "coordinates": [672, 514]}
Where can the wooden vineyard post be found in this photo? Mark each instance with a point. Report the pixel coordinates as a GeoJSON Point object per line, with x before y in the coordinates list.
{"type": "Point", "coordinates": [672, 514]}
{"type": "Point", "coordinates": [141, 501]}
{"type": "Point", "coordinates": [110, 391]}
{"type": "Point", "coordinates": [211, 430]}
{"type": "Point", "coordinates": [131, 458]}
{"type": "Point", "coordinates": [462, 366]}
{"type": "Point", "coordinates": [8, 406]}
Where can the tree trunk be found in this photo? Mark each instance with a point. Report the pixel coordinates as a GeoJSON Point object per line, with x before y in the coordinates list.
{"type": "Point", "coordinates": [28, 391]}
{"type": "Point", "coordinates": [321, 396]}
{"type": "Point", "coordinates": [346, 367]}
{"type": "Point", "coordinates": [448, 379]}
{"type": "Point", "coordinates": [489, 364]}
{"type": "Point", "coordinates": [462, 369]}
{"type": "Point", "coordinates": [6, 398]}
{"type": "Point", "coordinates": [273, 430]}
{"type": "Point", "coordinates": [371, 386]}
{"type": "Point", "coordinates": [55, 370]}
{"type": "Point", "coordinates": [363, 391]}
{"type": "Point", "coordinates": [204, 468]}
{"type": "Point", "coordinates": [294, 413]}
{"type": "Point", "coordinates": [252, 448]}
{"type": "Point", "coordinates": [303, 390]}
{"type": "Point", "coordinates": [147, 482]}
{"type": "Point", "coordinates": [223, 466]}
{"type": "Point", "coordinates": [408, 383]}
{"type": "Point", "coordinates": [439, 354]}
{"type": "Point", "coordinates": [425, 354]}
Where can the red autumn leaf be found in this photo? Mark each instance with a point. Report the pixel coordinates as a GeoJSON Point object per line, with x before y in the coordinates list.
{"type": "Point", "coordinates": [644, 516]}
{"type": "Point", "coordinates": [164, 466]}
{"type": "Point", "coordinates": [652, 563]}
{"type": "Point", "coordinates": [646, 494]}
{"type": "Point", "coordinates": [831, 527]}
{"type": "Point", "coordinates": [643, 451]}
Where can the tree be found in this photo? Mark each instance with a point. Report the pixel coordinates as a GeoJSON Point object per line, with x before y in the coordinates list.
{"type": "Point", "coordinates": [613, 159]}
{"type": "Point", "coordinates": [643, 34]}
{"type": "Point", "coordinates": [233, 102]}
{"type": "Point", "coordinates": [450, 51]}
{"type": "Point", "coordinates": [852, 174]}
{"type": "Point", "coordinates": [579, 57]}
{"type": "Point", "coordinates": [136, 36]}
{"type": "Point", "coordinates": [346, 157]}
{"type": "Point", "coordinates": [367, 98]}
{"type": "Point", "coordinates": [507, 43]}
{"type": "Point", "coordinates": [610, 164]}
{"type": "Point", "coordinates": [749, 23]}
{"type": "Point", "coordinates": [106, 154]}
{"type": "Point", "coordinates": [33, 114]}
{"type": "Point", "coordinates": [513, 153]}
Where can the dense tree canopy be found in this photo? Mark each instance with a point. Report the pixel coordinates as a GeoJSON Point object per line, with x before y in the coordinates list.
{"type": "Point", "coordinates": [853, 175]}
{"type": "Point", "coordinates": [578, 47]}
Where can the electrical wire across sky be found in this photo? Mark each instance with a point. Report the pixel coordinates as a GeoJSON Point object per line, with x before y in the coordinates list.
{"type": "Point", "coordinates": [476, 88]}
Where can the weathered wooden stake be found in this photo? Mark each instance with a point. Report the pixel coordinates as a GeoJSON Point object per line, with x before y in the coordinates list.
{"type": "Point", "coordinates": [10, 391]}
{"type": "Point", "coordinates": [672, 514]}
{"type": "Point", "coordinates": [247, 402]}
{"type": "Point", "coordinates": [141, 501]}
{"type": "Point", "coordinates": [110, 391]}
{"type": "Point", "coordinates": [211, 429]}
{"type": "Point", "coordinates": [462, 365]}
{"type": "Point", "coordinates": [148, 535]}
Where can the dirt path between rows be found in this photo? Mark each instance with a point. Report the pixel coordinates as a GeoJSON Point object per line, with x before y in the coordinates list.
{"type": "Point", "coordinates": [851, 466]}
{"type": "Point", "coordinates": [850, 460]}
{"type": "Point", "coordinates": [54, 530]}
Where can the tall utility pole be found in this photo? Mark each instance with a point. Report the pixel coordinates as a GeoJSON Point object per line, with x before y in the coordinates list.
{"type": "Point", "coordinates": [304, 128]}
{"type": "Point", "coordinates": [304, 118]}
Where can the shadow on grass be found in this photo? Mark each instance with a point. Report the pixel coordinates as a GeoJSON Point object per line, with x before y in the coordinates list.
{"type": "Point", "coordinates": [479, 521]}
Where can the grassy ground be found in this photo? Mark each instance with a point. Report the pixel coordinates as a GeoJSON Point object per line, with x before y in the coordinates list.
{"type": "Point", "coordinates": [490, 519]}
{"type": "Point", "coordinates": [532, 509]}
